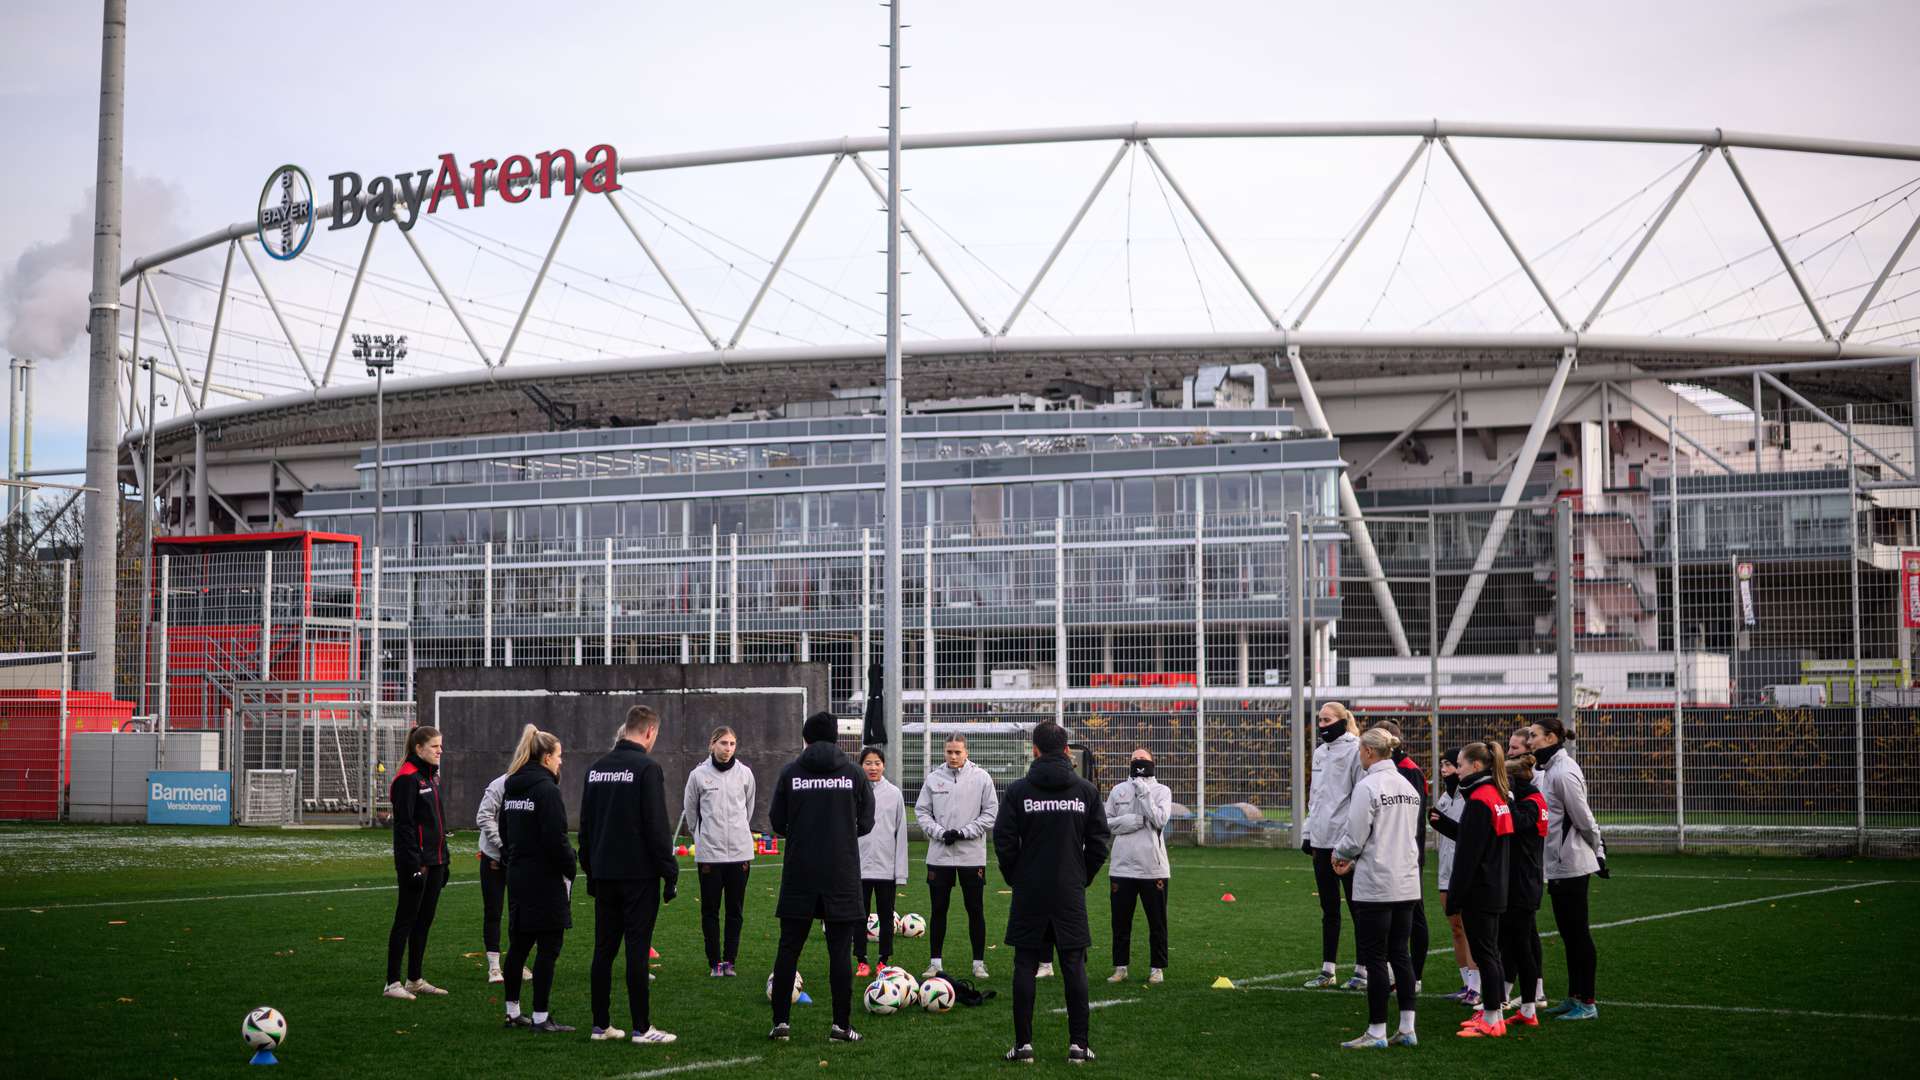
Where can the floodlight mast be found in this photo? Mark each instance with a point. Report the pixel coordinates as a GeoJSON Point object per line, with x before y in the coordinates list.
{"type": "Point", "coordinates": [102, 508]}
{"type": "Point", "coordinates": [893, 644]}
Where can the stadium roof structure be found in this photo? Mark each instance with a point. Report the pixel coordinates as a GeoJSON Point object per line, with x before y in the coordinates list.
{"type": "Point", "coordinates": [1466, 247]}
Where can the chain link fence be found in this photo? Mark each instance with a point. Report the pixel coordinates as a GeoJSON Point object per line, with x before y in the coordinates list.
{"type": "Point", "coordinates": [1725, 625]}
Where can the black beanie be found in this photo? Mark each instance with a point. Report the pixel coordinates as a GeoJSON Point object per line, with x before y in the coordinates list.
{"type": "Point", "coordinates": [821, 727]}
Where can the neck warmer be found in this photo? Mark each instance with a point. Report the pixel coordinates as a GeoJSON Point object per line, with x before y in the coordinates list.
{"type": "Point", "coordinates": [723, 766]}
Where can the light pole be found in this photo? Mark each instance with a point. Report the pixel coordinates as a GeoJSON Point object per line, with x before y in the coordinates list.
{"type": "Point", "coordinates": [379, 351]}
{"type": "Point", "coordinates": [146, 536]}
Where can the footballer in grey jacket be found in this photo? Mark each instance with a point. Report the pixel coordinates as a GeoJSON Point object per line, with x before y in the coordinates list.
{"type": "Point", "coordinates": [957, 800]}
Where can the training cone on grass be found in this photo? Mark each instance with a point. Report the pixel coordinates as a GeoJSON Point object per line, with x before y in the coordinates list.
{"type": "Point", "coordinates": [1226, 898]}
{"type": "Point", "coordinates": [803, 999]}
{"type": "Point", "coordinates": [1223, 983]}
{"type": "Point", "coordinates": [653, 953]}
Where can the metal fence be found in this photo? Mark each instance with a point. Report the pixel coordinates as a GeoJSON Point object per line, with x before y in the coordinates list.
{"type": "Point", "coordinates": [1723, 625]}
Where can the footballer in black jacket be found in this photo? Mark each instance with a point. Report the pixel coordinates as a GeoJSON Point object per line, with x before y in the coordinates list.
{"type": "Point", "coordinates": [1050, 838]}
{"type": "Point", "coordinates": [823, 805]}
{"type": "Point", "coordinates": [626, 850]}
{"type": "Point", "coordinates": [541, 867]}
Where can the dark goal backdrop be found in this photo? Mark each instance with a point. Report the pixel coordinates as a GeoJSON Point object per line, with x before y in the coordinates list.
{"type": "Point", "coordinates": [481, 711]}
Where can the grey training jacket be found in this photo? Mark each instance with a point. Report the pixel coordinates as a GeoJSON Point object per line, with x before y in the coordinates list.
{"type": "Point", "coordinates": [488, 818]}
{"type": "Point", "coordinates": [719, 812]}
{"type": "Point", "coordinates": [883, 852]}
{"type": "Point", "coordinates": [1137, 810]}
{"type": "Point", "coordinates": [963, 800]}
{"type": "Point", "coordinates": [1574, 847]}
{"type": "Point", "coordinates": [1451, 806]}
{"type": "Point", "coordinates": [1382, 837]}
{"type": "Point", "coordinates": [1336, 769]}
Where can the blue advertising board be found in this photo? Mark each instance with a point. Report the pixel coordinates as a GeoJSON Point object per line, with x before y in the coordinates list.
{"type": "Point", "coordinates": [189, 798]}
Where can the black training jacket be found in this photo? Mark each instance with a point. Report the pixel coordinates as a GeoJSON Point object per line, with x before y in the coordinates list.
{"type": "Point", "coordinates": [1481, 859]}
{"type": "Point", "coordinates": [1527, 872]}
{"type": "Point", "coordinates": [419, 828]}
{"type": "Point", "coordinates": [625, 833]}
{"type": "Point", "coordinates": [823, 805]}
{"type": "Point", "coordinates": [1410, 771]}
{"type": "Point", "coordinates": [540, 862]}
{"type": "Point", "coordinates": [1050, 838]}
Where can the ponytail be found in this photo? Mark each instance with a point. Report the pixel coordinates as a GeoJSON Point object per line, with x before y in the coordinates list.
{"type": "Point", "coordinates": [534, 745]}
{"type": "Point", "coordinates": [1381, 741]}
{"type": "Point", "coordinates": [1552, 726]}
{"type": "Point", "coordinates": [1490, 757]}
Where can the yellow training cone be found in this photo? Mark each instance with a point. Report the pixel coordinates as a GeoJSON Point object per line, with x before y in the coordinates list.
{"type": "Point", "coordinates": [1223, 983]}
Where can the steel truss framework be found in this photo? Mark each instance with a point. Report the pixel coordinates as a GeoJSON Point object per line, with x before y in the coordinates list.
{"type": "Point", "coordinates": [730, 377]}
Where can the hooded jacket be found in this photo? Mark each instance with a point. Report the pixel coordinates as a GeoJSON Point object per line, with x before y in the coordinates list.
{"type": "Point", "coordinates": [1530, 827]}
{"type": "Point", "coordinates": [823, 805]}
{"type": "Point", "coordinates": [1050, 839]}
{"type": "Point", "coordinates": [488, 817]}
{"type": "Point", "coordinates": [1574, 847]}
{"type": "Point", "coordinates": [419, 826]}
{"type": "Point", "coordinates": [625, 834]}
{"type": "Point", "coordinates": [883, 852]}
{"type": "Point", "coordinates": [718, 808]}
{"type": "Point", "coordinates": [1409, 771]}
{"type": "Point", "coordinates": [961, 799]}
{"type": "Point", "coordinates": [1137, 810]}
{"type": "Point", "coordinates": [1481, 861]}
{"type": "Point", "coordinates": [1336, 768]}
{"type": "Point", "coordinates": [1449, 804]}
{"type": "Point", "coordinates": [1378, 837]}
{"type": "Point", "coordinates": [540, 862]}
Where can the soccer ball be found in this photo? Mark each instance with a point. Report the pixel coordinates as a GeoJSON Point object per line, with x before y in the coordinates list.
{"type": "Point", "coordinates": [890, 971]}
{"type": "Point", "coordinates": [873, 927]}
{"type": "Point", "coordinates": [264, 1028]}
{"type": "Point", "coordinates": [909, 987]}
{"type": "Point", "coordinates": [936, 994]}
{"type": "Point", "coordinates": [883, 996]}
{"type": "Point", "coordinates": [798, 982]}
{"type": "Point", "coordinates": [912, 925]}
{"type": "Point", "coordinates": [896, 922]}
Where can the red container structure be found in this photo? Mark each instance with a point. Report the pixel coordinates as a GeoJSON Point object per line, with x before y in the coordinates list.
{"type": "Point", "coordinates": [221, 627]}
{"type": "Point", "coordinates": [31, 777]}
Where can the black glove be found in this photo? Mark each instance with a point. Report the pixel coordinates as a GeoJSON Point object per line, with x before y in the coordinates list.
{"type": "Point", "coordinates": [1306, 846]}
{"type": "Point", "coordinates": [952, 837]}
{"type": "Point", "coordinates": [668, 892]}
{"type": "Point", "coordinates": [1603, 871]}
{"type": "Point", "coordinates": [420, 874]}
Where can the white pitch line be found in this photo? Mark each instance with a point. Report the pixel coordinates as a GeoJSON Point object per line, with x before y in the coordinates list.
{"type": "Point", "coordinates": [1611, 1004]}
{"type": "Point", "coordinates": [691, 1066]}
{"type": "Point", "coordinates": [227, 896]}
{"type": "Point", "coordinates": [1104, 1004]}
{"type": "Point", "coordinates": [1630, 876]}
{"type": "Point", "coordinates": [1250, 980]}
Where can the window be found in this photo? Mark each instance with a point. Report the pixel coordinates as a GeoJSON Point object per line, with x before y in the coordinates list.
{"type": "Point", "coordinates": [1400, 678]}
{"type": "Point", "coordinates": [1649, 680]}
{"type": "Point", "coordinates": [1477, 678]}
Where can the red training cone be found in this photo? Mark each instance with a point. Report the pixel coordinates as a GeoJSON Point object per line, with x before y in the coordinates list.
{"type": "Point", "coordinates": [1226, 898]}
{"type": "Point", "coordinates": [652, 953]}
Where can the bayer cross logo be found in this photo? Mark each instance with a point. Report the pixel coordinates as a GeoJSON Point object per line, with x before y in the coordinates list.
{"type": "Point", "coordinates": [286, 212]}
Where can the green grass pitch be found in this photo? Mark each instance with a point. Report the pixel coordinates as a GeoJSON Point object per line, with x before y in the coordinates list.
{"type": "Point", "coordinates": [137, 951]}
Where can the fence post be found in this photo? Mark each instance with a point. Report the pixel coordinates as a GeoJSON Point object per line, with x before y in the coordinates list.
{"type": "Point", "coordinates": [1563, 607]}
{"type": "Point", "coordinates": [866, 615]}
{"type": "Point", "coordinates": [930, 657]}
{"type": "Point", "coordinates": [266, 616]}
{"type": "Point", "coordinates": [1296, 664]}
{"type": "Point", "coordinates": [66, 682]}
{"type": "Point", "coordinates": [713, 594]}
{"type": "Point", "coordinates": [486, 601]}
{"type": "Point", "coordinates": [1679, 686]}
{"type": "Point", "coordinates": [166, 640]}
{"type": "Point", "coordinates": [606, 629]}
{"type": "Point", "coordinates": [1858, 673]}
{"type": "Point", "coordinates": [733, 597]}
{"type": "Point", "coordinates": [1060, 670]}
{"type": "Point", "coordinates": [1200, 659]}
{"type": "Point", "coordinates": [1433, 648]}
{"type": "Point", "coordinates": [373, 683]}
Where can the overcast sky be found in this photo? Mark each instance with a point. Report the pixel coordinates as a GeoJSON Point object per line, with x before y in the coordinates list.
{"type": "Point", "coordinates": [218, 94]}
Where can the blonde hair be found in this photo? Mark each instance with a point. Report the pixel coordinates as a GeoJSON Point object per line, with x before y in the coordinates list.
{"type": "Point", "coordinates": [534, 745]}
{"type": "Point", "coordinates": [1344, 715]}
{"type": "Point", "coordinates": [1379, 740]}
{"type": "Point", "coordinates": [1490, 757]}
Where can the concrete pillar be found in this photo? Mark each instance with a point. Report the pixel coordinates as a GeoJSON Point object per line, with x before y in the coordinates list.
{"type": "Point", "coordinates": [980, 662]}
{"type": "Point", "coordinates": [1243, 649]}
{"type": "Point", "coordinates": [1106, 650]}
{"type": "Point", "coordinates": [200, 499]}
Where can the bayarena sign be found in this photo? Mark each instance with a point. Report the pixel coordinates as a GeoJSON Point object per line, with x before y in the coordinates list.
{"type": "Point", "coordinates": [286, 202]}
